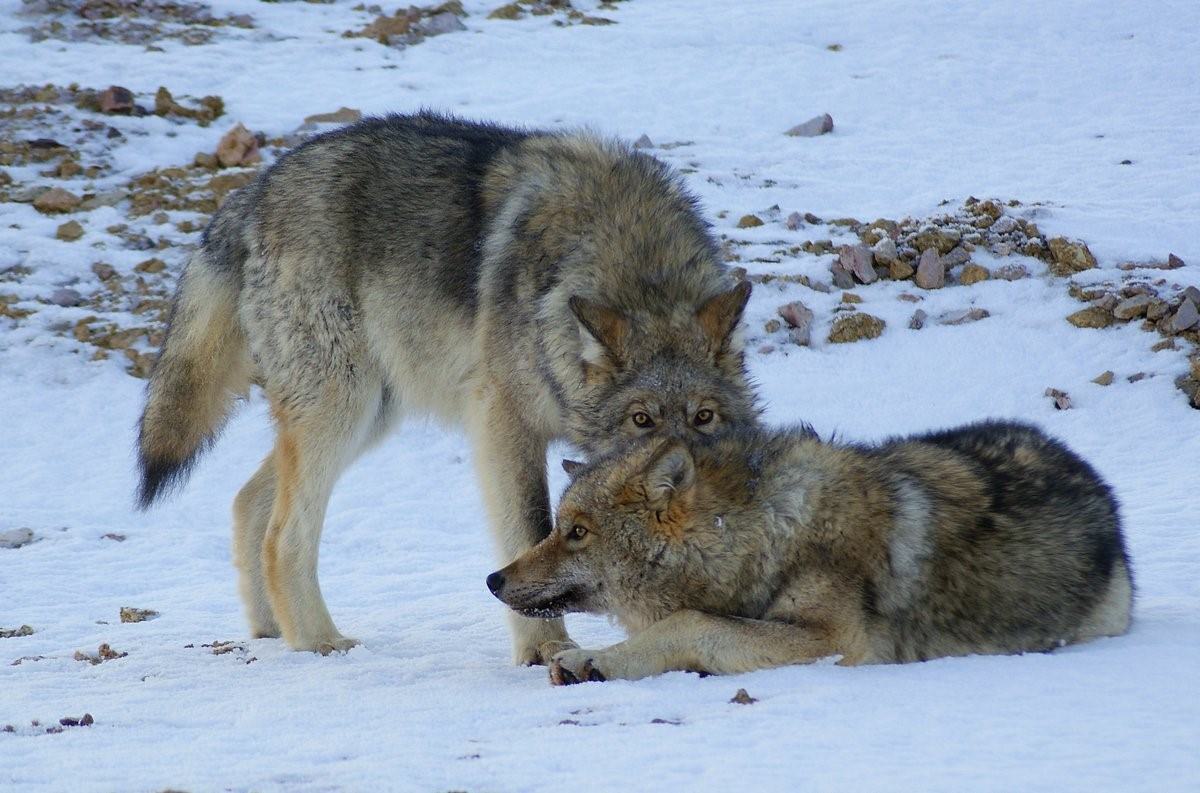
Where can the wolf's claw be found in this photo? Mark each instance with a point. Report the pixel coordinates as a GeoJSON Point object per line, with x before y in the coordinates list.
{"type": "Point", "coordinates": [562, 675]}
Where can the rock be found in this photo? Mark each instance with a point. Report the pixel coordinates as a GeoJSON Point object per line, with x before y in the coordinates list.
{"type": "Point", "coordinates": [938, 239]}
{"type": "Point", "coordinates": [963, 316]}
{"type": "Point", "coordinates": [794, 221]}
{"type": "Point", "coordinates": [1192, 294]}
{"type": "Point", "coordinates": [69, 231]}
{"type": "Point", "coordinates": [106, 199]}
{"type": "Point", "coordinates": [1157, 309]}
{"type": "Point", "coordinates": [1186, 317]}
{"type": "Point", "coordinates": [1165, 344]}
{"type": "Point", "coordinates": [973, 274]}
{"type": "Point", "coordinates": [930, 272]}
{"type": "Point", "coordinates": [742, 698]}
{"type": "Point", "coordinates": [343, 115]}
{"type": "Point", "coordinates": [103, 270]}
{"type": "Point", "coordinates": [56, 200]}
{"type": "Point", "coordinates": [1004, 224]}
{"type": "Point", "coordinates": [238, 147]}
{"type": "Point", "coordinates": [1107, 301]}
{"type": "Point", "coordinates": [1002, 248]}
{"type": "Point", "coordinates": [205, 160]}
{"type": "Point", "coordinates": [131, 614]}
{"type": "Point", "coordinates": [113, 536]}
{"type": "Point", "coordinates": [15, 538]}
{"type": "Point", "coordinates": [116, 99]}
{"type": "Point", "coordinates": [151, 266]}
{"type": "Point", "coordinates": [909, 297]}
{"type": "Point", "coordinates": [813, 219]}
{"type": "Point", "coordinates": [799, 318]}
{"type": "Point", "coordinates": [957, 255]}
{"type": "Point", "coordinates": [749, 222]}
{"type": "Point", "coordinates": [643, 142]}
{"type": "Point", "coordinates": [1062, 400]}
{"type": "Point", "coordinates": [12, 633]}
{"type": "Point", "coordinates": [66, 298]}
{"type": "Point", "coordinates": [857, 260]}
{"type": "Point", "coordinates": [1011, 272]}
{"type": "Point", "coordinates": [818, 125]}
{"type": "Point", "coordinates": [1194, 365]}
{"type": "Point", "coordinates": [841, 276]}
{"type": "Point", "coordinates": [1173, 262]}
{"type": "Point", "coordinates": [917, 320]}
{"type": "Point", "coordinates": [1190, 386]}
{"type": "Point", "coordinates": [1132, 307]}
{"type": "Point", "coordinates": [900, 270]}
{"type": "Point", "coordinates": [1091, 317]}
{"type": "Point", "coordinates": [1137, 377]}
{"type": "Point", "coordinates": [510, 11]}
{"type": "Point", "coordinates": [884, 251]}
{"type": "Point", "coordinates": [1104, 378]}
{"type": "Point", "coordinates": [850, 297]}
{"type": "Point", "coordinates": [772, 326]}
{"type": "Point", "coordinates": [1070, 257]}
{"type": "Point", "coordinates": [444, 22]}
{"type": "Point", "coordinates": [211, 107]}
{"type": "Point", "coordinates": [855, 327]}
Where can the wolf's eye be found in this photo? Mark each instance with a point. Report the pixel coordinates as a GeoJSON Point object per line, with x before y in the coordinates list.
{"type": "Point", "coordinates": [577, 532]}
{"type": "Point", "coordinates": [642, 420]}
{"type": "Point", "coordinates": [702, 417]}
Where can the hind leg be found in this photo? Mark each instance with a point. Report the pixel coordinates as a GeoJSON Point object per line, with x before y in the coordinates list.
{"type": "Point", "coordinates": [251, 517]}
{"type": "Point", "coordinates": [317, 438]}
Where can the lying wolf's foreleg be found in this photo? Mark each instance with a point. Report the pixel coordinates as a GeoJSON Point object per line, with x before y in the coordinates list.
{"type": "Point", "coordinates": [697, 642]}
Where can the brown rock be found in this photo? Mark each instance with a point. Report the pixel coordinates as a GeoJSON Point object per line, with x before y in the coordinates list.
{"type": "Point", "coordinates": [909, 297]}
{"type": "Point", "coordinates": [1132, 307]}
{"type": "Point", "coordinates": [1174, 262]}
{"type": "Point", "coordinates": [1091, 317]}
{"type": "Point", "coordinates": [964, 316]}
{"type": "Point", "coordinates": [930, 272]}
{"type": "Point", "coordinates": [899, 270]}
{"type": "Point", "coordinates": [1165, 344]}
{"type": "Point", "coordinates": [855, 327]}
{"type": "Point", "coordinates": [151, 266]}
{"type": "Point", "coordinates": [131, 614]}
{"type": "Point", "coordinates": [69, 231]}
{"type": "Point", "coordinates": [238, 147]}
{"type": "Point", "coordinates": [1062, 400]}
{"type": "Point", "coordinates": [12, 633]}
{"type": "Point", "coordinates": [940, 240]}
{"type": "Point", "coordinates": [103, 270]}
{"type": "Point", "coordinates": [1186, 317]}
{"type": "Point", "coordinates": [742, 698]}
{"type": "Point", "coordinates": [1011, 272]}
{"type": "Point", "coordinates": [56, 200]}
{"type": "Point", "coordinates": [1104, 378]}
{"type": "Point", "coordinates": [1070, 257]}
{"type": "Point", "coordinates": [116, 99]}
{"type": "Point", "coordinates": [749, 222]}
{"type": "Point", "coordinates": [858, 261]}
{"type": "Point", "coordinates": [850, 297]}
{"type": "Point", "coordinates": [343, 115]}
{"type": "Point", "coordinates": [973, 274]}
{"type": "Point", "coordinates": [1157, 309]}
{"type": "Point", "coordinates": [772, 326]}
{"type": "Point", "coordinates": [510, 11]}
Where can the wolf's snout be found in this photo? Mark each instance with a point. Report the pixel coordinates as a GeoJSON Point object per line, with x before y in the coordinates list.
{"type": "Point", "coordinates": [495, 582]}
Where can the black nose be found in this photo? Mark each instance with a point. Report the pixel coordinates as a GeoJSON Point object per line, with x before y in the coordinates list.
{"type": "Point", "coordinates": [495, 582]}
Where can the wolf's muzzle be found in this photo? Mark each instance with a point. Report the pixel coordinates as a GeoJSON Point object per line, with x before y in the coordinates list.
{"type": "Point", "coordinates": [495, 583]}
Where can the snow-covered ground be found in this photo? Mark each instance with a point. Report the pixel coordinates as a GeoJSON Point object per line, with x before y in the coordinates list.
{"type": "Point", "coordinates": [1030, 100]}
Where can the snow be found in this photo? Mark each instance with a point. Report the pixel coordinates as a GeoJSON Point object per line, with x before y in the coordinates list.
{"type": "Point", "coordinates": [932, 101]}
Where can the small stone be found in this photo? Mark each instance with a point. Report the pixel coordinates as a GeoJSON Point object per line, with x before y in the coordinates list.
{"type": "Point", "coordinates": [116, 99]}
{"type": "Point", "coordinates": [765, 349]}
{"type": "Point", "coordinates": [1062, 400]}
{"type": "Point", "coordinates": [1004, 225]}
{"type": "Point", "coordinates": [1002, 248]}
{"type": "Point", "coordinates": [56, 200]}
{"type": "Point", "coordinates": [794, 221]}
{"type": "Point", "coordinates": [799, 318]}
{"type": "Point", "coordinates": [1174, 262]}
{"type": "Point", "coordinates": [850, 297]}
{"type": "Point", "coordinates": [68, 169]}
{"type": "Point", "coordinates": [205, 160]}
{"type": "Point", "coordinates": [343, 115]}
{"type": "Point", "coordinates": [884, 251]}
{"type": "Point", "coordinates": [772, 325]}
{"type": "Point", "coordinates": [964, 316]}
{"type": "Point", "coordinates": [973, 274]}
{"type": "Point", "coordinates": [1194, 366]}
{"type": "Point", "coordinates": [238, 147]}
{"type": "Point", "coordinates": [1104, 378]}
{"type": "Point", "coordinates": [812, 219]}
{"type": "Point", "coordinates": [930, 272]}
{"type": "Point", "coordinates": [113, 536]}
{"type": "Point", "coordinates": [103, 271]}
{"type": "Point", "coordinates": [444, 22]}
{"type": "Point", "coordinates": [1091, 317]}
{"type": "Point", "coordinates": [917, 320]}
{"type": "Point", "coordinates": [66, 298]}
{"type": "Point", "coordinates": [1165, 344]}
{"type": "Point", "coordinates": [12, 633]}
{"type": "Point", "coordinates": [900, 270]}
{"type": "Point", "coordinates": [510, 11]}
{"type": "Point", "coordinates": [1132, 307]}
{"type": "Point", "coordinates": [957, 255]}
{"type": "Point", "coordinates": [15, 538]}
{"type": "Point", "coordinates": [841, 276]}
{"type": "Point", "coordinates": [69, 231]}
{"type": "Point", "coordinates": [151, 266]}
{"type": "Point", "coordinates": [742, 698]}
{"type": "Point", "coordinates": [909, 297]}
{"type": "Point", "coordinates": [855, 327]}
{"type": "Point", "coordinates": [131, 614]}
{"type": "Point", "coordinates": [643, 142]}
{"type": "Point", "coordinates": [1185, 317]}
{"type": "Point", "coordinates": [940, 240]}
{"type": "Point", "coordinates": [749, 222]}
{"type": "Point", "coordinates": [1070, 257]}
{"type": "Point", "coordinates": [1107, 301]}
{"type": "Point", "coordinates": [1136, 377]}
{"type": "Point", "coordinates": [1011, 272]}
{"type": "Point", "coordinates": [818, 125]}
{"type": "Point", "coordinates": [857, 260]}
{"type": "Point", "coordinates": [1157, 309]}
{"type": "Point", "coordinates": [1192, 294]}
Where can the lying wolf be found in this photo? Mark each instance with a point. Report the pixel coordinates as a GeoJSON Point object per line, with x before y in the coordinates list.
{"type": "Point", "coordinates": [765, 548]}
{"type": "Point", "coordinates": [530, 286]}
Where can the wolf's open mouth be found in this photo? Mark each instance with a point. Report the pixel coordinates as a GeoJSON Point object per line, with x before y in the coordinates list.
{"type": "Point", "coordinates": [554, 607]}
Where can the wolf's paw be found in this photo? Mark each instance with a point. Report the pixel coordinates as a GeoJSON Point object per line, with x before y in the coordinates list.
{"type": "Point", "coordinates": [576, 666]}
{"type": "Point", "coordinates": [545, 652]}
{"type": "Point", "coordinates": [338, 644]}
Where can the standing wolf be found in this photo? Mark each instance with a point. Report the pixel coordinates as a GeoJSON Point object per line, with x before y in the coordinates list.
{"type": "Point", "coordinates": [530, 286]}
{"type": "Point", "coordinates": [763, 548]}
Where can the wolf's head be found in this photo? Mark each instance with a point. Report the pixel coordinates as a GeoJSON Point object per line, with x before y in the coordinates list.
{"type": "Point", "coordinates": [676, 372]}
{"type": "Point", "coordinates": [638, 536]}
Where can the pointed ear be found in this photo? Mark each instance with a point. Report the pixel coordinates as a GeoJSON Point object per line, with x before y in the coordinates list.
{"type": "Point", "coordinates": [603, 331]}
{"type": "Point", "coordinates": [571, 467]}
{"type": "Point", "coordinates": [720, 314]}
{"type": "Point", "coordinates": [669, 475]}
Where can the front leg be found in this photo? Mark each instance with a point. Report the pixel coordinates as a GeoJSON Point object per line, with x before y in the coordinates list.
{"type": "Point", "coordinates": [510, 457]}
{"type": "Point", "coordinates": [697, 642]}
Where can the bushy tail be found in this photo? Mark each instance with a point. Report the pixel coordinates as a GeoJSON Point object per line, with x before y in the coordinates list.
{"type": "Point", "coordinates": [203, 365]}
